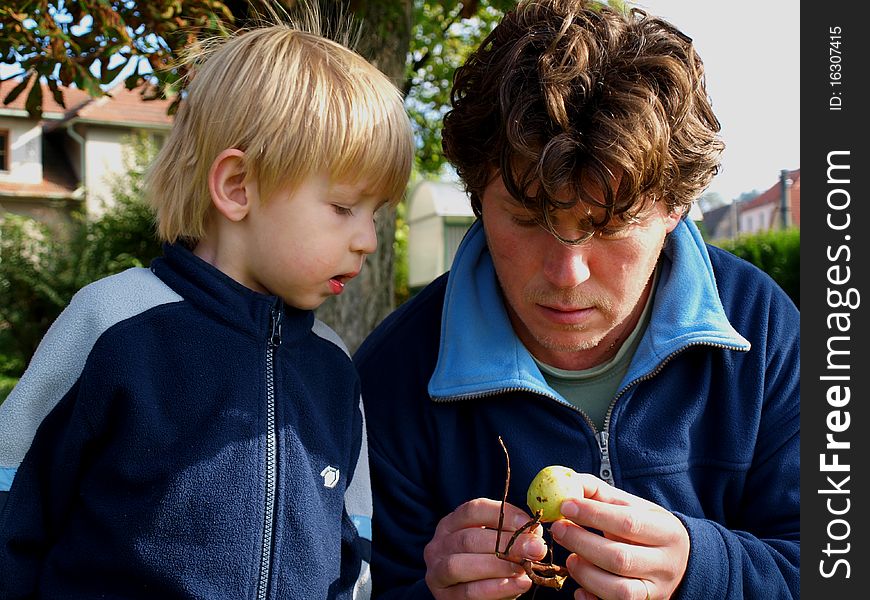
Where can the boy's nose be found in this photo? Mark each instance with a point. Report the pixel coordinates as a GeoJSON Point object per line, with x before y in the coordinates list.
{"type": "Point", "coordinates": [365, 240]}
{"type": "Point", "coordinates": [567, 266]}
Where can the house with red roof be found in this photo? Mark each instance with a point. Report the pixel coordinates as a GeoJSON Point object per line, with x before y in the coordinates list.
{"type": "Point", "coordinates": [761, 213]}
{"type": "Point", "coordinates": [67, 159]}
{"type": "Point", "coordinates": [764, 212]}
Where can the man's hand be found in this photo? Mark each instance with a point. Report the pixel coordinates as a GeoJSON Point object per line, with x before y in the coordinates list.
{"type": "Point", "coordinates": [460, 558]}
{"type": "Point", "coordinates": [642, 555]}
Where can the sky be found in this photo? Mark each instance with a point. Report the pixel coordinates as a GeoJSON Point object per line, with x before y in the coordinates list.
{"type": "Point", "coordinates": [751, 54]}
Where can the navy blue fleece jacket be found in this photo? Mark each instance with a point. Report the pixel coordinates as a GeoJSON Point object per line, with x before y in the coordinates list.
{"type": "Point", "coordinates": [178, 435]}
{"type": "Point", "coordinates": [706, 422]}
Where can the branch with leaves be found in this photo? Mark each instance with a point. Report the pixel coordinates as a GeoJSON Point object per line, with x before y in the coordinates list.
{"type": "Point", "coordinates": [88, 43]}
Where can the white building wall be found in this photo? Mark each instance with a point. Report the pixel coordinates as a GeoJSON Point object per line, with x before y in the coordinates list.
{"type": "Point", "coordinates": [25, 150]}
{"type": "Point", "coordinates": [425, 250]}
{"type": "Point", "coordinates": [104, 159]}
{"type": "Point", "coordinates": [757, 219]}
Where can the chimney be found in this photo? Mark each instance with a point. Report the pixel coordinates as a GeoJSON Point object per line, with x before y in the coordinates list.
{"type": "Point", "coordinates": [785, 198]}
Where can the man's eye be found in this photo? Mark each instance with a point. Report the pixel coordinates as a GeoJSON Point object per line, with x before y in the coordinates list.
{"type": "Point", "coordinates": [612, 233]}
{"type": "Point", "coordinates": [342, 210]}
{"type": "Point", "coordinates": [523, 221]}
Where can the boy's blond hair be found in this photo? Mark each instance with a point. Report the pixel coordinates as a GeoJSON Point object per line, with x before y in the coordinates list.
{"type": "Point", "coordinates": [296, 104]}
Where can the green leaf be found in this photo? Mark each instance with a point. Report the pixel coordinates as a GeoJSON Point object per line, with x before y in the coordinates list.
{"type": "Point", "coordinates": [88, 82]}
{"type": "Point", "coordinates": [66, 74]}
{"type": "Point", "coordinates": [16, 91]}
{"type": "Point", "coordinates": [34, 100]}
{"type": "Point", "coordinates": [56, 93]}
{"type": "Point", "coordinates": [109, 75]}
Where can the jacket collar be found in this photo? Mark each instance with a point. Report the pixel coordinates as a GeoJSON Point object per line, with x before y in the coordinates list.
{"type": "Point", "coordinates": [479, 354]}
{"type": "Point", "coordinates": [216, 293]}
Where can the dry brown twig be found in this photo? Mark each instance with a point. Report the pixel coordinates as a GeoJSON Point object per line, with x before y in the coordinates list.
{"type": "Point", "coordinates": [541, 573]}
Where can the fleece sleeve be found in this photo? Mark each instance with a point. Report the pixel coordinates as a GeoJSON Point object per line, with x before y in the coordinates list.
{"type": "Point", "coordinates": [356, 527]}
{"type": "Point", "coordinates": [758, 556]}
{"type": "Point", "coordinates": [736, 564]}
{"type": "Point", "coordinates": [42, 495]}
{"type": "Point", "coordinates": [402, 526]}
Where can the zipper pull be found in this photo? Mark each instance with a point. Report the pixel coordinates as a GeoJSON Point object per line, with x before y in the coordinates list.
{"type": "Point", "coordinates": [606, 472]}
{"type": "Point", "coordinates": [275, 329]}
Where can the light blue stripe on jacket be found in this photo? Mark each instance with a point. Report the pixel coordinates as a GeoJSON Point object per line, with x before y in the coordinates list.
{"type": "Point", "coordinates": [7, 474]}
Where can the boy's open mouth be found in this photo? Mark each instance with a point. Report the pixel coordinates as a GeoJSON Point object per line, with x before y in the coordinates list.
{"type": "Point", "coordinates": [338, 282]}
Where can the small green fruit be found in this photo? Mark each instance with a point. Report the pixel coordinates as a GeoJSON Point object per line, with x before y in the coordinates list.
{"type": "Point", "coordinates": [550, 487]}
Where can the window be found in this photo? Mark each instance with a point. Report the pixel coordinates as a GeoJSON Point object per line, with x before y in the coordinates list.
{"type": "Point", "coordinates": [454, 231]}
{"type": "Point", "coordinates": [158, 139]}
{"type": "Point", "coordinates": [4, 150]}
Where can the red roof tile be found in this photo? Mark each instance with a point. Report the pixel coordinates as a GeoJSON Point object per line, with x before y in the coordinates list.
{"type": "Point", "coordinates": [121, 106]}
{"type": "Point", "coordinates": [772, 194]}
{"type": "Point", "coordinates": [73, 98]}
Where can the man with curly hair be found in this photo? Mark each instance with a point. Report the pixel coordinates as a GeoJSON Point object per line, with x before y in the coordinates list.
{"type": "Point", "coordinates": [586, 322]}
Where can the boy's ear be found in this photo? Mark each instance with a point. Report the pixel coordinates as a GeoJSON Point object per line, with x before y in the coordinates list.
{"type": "Point", "coordinates": [226, 182]}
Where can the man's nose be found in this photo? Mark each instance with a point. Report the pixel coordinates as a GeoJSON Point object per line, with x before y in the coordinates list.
{"type": "Point", "coordinates": [567, 266]}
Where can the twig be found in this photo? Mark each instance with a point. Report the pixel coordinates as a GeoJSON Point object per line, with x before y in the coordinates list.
{"type": "Point", "coordinates": [507, 484]}
{"type": "Point", "coordinates": [545, 574]}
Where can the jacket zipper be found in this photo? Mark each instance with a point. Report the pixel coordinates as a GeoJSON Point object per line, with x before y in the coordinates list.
{"type": "Point", "coordinates": [273, 342]}
{"type": "Point", "coordinates": [602, 438]}
{"type": "Point", "coordinates": [605, 471]}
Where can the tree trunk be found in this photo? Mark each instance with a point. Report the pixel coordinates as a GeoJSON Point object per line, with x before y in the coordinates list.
{"type": "Point", "coordinates": [385, 39]}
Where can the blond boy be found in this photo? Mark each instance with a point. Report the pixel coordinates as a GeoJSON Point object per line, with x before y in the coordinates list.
{"type": "Point", "coordinates": [192, 430]}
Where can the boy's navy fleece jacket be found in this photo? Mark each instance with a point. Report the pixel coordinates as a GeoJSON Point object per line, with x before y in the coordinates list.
{"type": "Point", "coordinates": [181, 436]}
{"type": "Point", "coordinates": [705, 424]}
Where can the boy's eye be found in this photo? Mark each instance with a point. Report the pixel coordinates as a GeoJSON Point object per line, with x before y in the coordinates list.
{"type": "Point", "coordinates": [342, 210]}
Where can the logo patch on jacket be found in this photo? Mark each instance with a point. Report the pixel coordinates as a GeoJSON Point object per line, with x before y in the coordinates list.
{"type": "Point", "coordinates": [330, 477]}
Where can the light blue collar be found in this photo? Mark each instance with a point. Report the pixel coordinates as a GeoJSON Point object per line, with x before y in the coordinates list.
{"type": "Point", "coordinates": [479, 353]}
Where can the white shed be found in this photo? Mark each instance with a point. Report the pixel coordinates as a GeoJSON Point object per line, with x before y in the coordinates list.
{"type": "Point", "coordinates": [439, 214]}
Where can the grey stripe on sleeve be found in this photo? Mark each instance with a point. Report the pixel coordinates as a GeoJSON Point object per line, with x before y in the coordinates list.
{"type": "Point", "coordinates": [62, 353]}
{"type": "Point", "coordinates": [358, 495]}
{"type": "Point", "coordinates": [323, 330]}
{"type": "Point", "coordinates": [358, 501]}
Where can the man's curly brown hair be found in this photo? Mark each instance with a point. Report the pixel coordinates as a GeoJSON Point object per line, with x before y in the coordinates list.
{"type": "Point", "coordinates": [564, 91]}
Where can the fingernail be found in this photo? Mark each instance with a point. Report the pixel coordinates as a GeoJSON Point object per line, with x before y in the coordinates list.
{"type": "Point", "coordinates": [520, 522]}
{"type": "Point", "coordinates": [534, 547]}
{"type": "Point", "coordinates": [570, 509]}
{"type": "Point", "coordinates": [558, 529]}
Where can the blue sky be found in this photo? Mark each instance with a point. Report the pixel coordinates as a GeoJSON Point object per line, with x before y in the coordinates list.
{"type": "Point", "coordinates": [751, 52]}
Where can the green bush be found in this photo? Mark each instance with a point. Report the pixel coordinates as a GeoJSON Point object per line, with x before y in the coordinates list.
{"type": "Point", "coordinates": [41, 268]}
{"type": "Point", "coordinates": [777, 253]}
{"type": "Point", "coordinates": [6, 385]}
{"type": "Point", "coordinates": [400, 256]}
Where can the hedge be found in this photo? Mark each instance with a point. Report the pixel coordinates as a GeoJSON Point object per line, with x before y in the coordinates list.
{"type": "Point", "coordinates": [777, 253]}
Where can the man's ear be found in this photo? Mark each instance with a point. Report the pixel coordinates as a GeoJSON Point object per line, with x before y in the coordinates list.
{"type": "Point", "coordinates": [672, 219]}
{"type": "Point", "coordinates": [226, 182]}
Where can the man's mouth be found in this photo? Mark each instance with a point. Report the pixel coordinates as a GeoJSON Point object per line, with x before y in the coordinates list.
{"type": "Point", "coordinates": [566, 315]}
